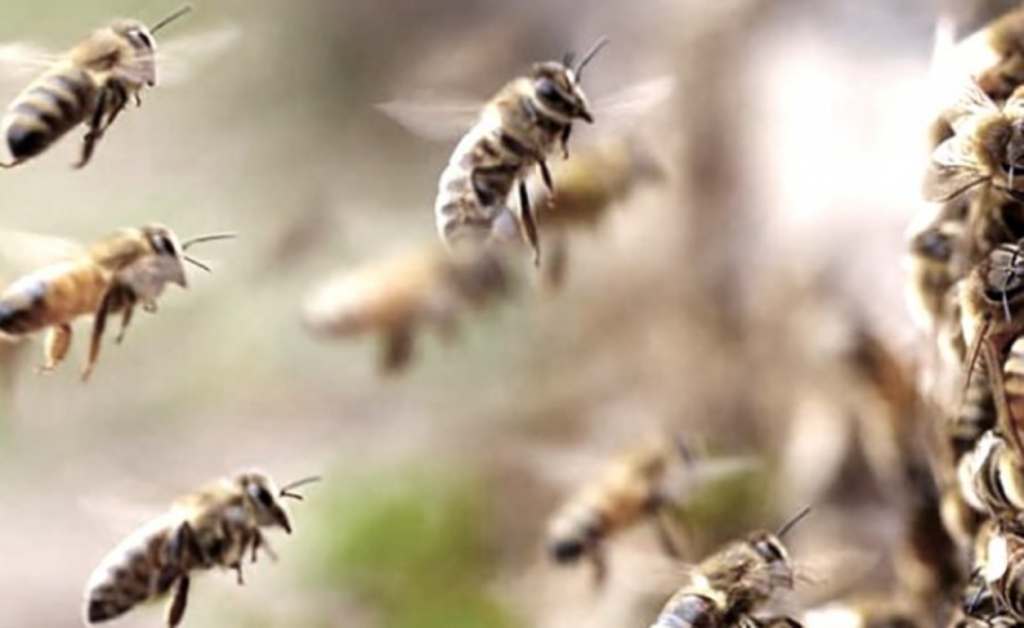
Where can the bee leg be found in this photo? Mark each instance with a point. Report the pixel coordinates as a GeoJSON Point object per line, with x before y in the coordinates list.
{"type": "Point", "coordinates": [126, 320]}
{"type": "Point", "coordinates": [529, 223]}
{"type": "Point", "coordinates": [238, 572]}
{"type": "Point", "coordinates": [545, 174]}
{"type": "Point", "coordinates": [176, 609]}
{"type": "Point", "coordinates": [99, 326]}
{"type": "Point", "coordinates": [662, 526]}
{"type": "Point", "coordinates": [564, 139]}
{"type": "Point", "coordinates": [259, 542]}
{"type": "Point", "coordinates": [600, 565]}
{"type": "Point", "coordinates": [556, 262]}
{"type": "Point", "coordinates": [58, 341]}
{"type": "Point", "coordinates": [398, 349]}
{"type": "Point", "coordinates": [95, 131]}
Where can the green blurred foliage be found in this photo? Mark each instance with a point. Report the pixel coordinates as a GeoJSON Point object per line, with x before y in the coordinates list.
{"type": "Point", "coordinates": [413, 546]}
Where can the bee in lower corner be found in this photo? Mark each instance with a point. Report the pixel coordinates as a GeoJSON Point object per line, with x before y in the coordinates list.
{"type": "Point", "coordinates": [425, 288]}
{"type": "Point", "coordinates": [216, 526]}
{"type": "Point", "coordinates": [129, 268]}
{"type": "Point", "coordinates": [728, 587]}
{"type": "Point", "coordinates": [91, 84]}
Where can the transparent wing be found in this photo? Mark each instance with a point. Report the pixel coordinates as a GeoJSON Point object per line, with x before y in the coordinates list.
{"type": "Point", "coordinates": [22, 252]}
{"type": "Point", "coordinates": [969, 102]}
{"type": "Point", "coordinates": [22, 61]}
{"type": "Point", "coordinates": [617, 112]}
{"type": "Point", "coordinates": [943, 183]}
{"type": "Point", "coordinates": [434, 119]}
{"type": "Point", "coordinates": [182, 57]}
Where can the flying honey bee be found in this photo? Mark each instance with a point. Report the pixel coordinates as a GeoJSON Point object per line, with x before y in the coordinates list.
{"type": "Point", "coordinates": [129, 268]}
{"type": "Point", "coordinates": [425, 288]}
{"type": "Point", "coordinates": [91, 84]}
{"type": "Point", "coordinates": [727, 588]}
{"type": "Point", "coordinates": [213, 527]}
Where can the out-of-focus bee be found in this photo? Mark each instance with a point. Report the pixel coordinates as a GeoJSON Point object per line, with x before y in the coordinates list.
{"type": "Point", "coordinates": [633, 488]}
{"type": "Point", "coordinates": [993, 55]}
{"type": "Point", "coordinates": [131, 267]}
{"type": "Point", "coordinates": [866, 613]}
{"type": "Point", "coordinates": [727, 588]}
{"type": "Point", "coordinates": [92, 83]}
{"type": "Point", "coordinates": [425, 288]}
{"type": "Point", "coordinates": [932, 271]}
{"type": "Point", "coordinates": [518, 129]}
{"type": "Point", "coordinates": [992, 476]}
{"type": "Point", "coordinates": [999, 561]}
{"type": "Point", "coordinates": [594, 179]}
{"type": "Point", "coordinates": [213, 527]}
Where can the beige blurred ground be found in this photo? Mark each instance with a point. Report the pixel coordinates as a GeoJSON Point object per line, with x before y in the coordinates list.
{"type": "Point", "coordinates": [715, 304]}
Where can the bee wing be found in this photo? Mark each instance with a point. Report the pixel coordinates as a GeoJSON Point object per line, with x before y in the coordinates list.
{"type": "Point", "coordinates": [969, 103]}
{"type": "Point", "coordinates": [432, 119]}
{"type": "Point", "coordinates": [182, 57]}
{"type": "Point", "coordinates": [21, 61]}
{"type": "Point", "coordinates": [617, 112]}
{"type": "Point", "coordinates": [22, 252]}
{"type": "Point", "coordinates": [954, 169]}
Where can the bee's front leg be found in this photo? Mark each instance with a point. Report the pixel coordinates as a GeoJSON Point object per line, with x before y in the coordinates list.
{"type": "Point", "coordinates": [126, 319]}
{"type": "Point", "coordinates": [95, 130]}
{"type": "Point", "coordinates": [55, 348]}
{"type": "Point", "coordinates": [529, 223]}
{"type": "Point", "coordinates": [545, 174]}
{"type": "Point", "coordinates": [176, 609]}
{"type": "Point", "coordinates": [564, 139]}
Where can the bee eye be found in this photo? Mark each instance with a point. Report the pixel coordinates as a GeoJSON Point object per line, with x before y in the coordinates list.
{"type": "Point", "coordinates": [769, 551]}
{"type": "Point", "coordinates": [141, 37]}
{"type": "Point", "coordinates": [547, 90]}
{"type": "Point", "coordinates": [162, 244]}
{"type": "Point", "coordinates": [262, 496]}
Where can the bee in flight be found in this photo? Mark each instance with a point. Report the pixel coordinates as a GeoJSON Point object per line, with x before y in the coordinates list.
{"type": "Point", "coordinates": [129, 268]}
{"type": "Point", "coordinates": [727, 588]}
{"type": "Point", "coordinates": [213, 527]}
{"type": "Point", "coordinates": [91, 84]}
{"type": "Point", "coordinates": [424, 288]}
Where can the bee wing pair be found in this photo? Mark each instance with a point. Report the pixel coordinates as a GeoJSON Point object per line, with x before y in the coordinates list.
{"type": "Point", "coordinates": [23, 252]}
{"type": "Point", "coordinates": [445, 120]}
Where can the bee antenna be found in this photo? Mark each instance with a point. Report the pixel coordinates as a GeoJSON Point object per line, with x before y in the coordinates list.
{"type": "Point", "coordinates": [208, 238]}
{"type": "Point", "coordinates": [195, 262]}
{"type": "Point", "coordinates": [287, 489]}
{"type": "Point", "coordinates": [789, 525]}
{"type": "Point", "coordinates": [601, 43]}
{"type": "Point", "coordinates": [183, 11]}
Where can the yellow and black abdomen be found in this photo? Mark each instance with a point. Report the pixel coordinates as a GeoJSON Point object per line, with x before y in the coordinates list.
{"type": "Point", "coordinates": [52, 296]}
{"type": "Point", "coordinates": [50, 107]}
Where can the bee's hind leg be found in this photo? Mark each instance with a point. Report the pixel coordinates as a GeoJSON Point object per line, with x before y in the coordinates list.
{"type": "Point", "coordinates": [529, 223]}
{"type": "Point", "coordinates": [99, 326]}
{"type": "Point", "coordinates": [95, 130]}
{"type": "Point", "coordinates": [55, 348]}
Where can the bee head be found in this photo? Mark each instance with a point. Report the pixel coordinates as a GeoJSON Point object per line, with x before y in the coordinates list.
{"type": "Point", "coordinates": [168, 252]}
{"type": "Point", "coordinates": [566, 551]}
{"type": "Point", "coordinates": [264, 498]}
{"type": "Point", "coordinates": [557, 86]}
{"type": "Point", "coordinates": [140, 66]}
{"type": "Point", "coordinates": [770, 549]}
{"type": "Point", "coordinates": [1003, 279]}
{"type": "Point", "coordinates": [935, 244]}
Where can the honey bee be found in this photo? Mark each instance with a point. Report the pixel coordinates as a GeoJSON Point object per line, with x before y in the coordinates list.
{"type": "Point", "coordinates": [729, 586]}
{"type": "Point", "coordinates": [633, 488]}
{"type": "Point", "coordinates": [992, 476]}
{"type": "Point", "coordinates": [999, 562]}
{"type": "Point", "coordinates": [932, 271]}
{"type": "Point", "coordinates": [91, 84]}
{"type": "Point", "coordinates": [425, 288]}
{"type": "Point", "coordinates": [131, 267]}
{"type": "Point", "coordinates": [213, 527]}
{"type": "Point", "coordinates": [993, 55]}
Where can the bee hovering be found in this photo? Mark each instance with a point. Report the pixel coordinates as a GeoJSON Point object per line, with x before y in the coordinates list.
{"type": "Point", "coordinates": [213, 527]}
{"type": "Point", "coordinates": [129, 268]}
{"type": "Point", "coordinates": [90, 84]}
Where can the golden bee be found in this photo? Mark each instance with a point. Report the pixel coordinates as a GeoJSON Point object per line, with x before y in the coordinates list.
{"type": "Point", "coordinates": [213, 527]}
{"type": "Point", "coordinates": [128, 268]}
{"type": "Point", "coordinates": [425, 288]}
{"type": "Point", "coordinates": [91, 84]}
{"type": "Point", "coordinates": [517, 130]}
{"type": "Point", "coordinates": [632, 489]}
{"type": "Point", "coordinates": [727, 588]}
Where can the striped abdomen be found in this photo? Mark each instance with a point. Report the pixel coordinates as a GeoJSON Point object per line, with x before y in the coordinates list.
{"type": "Point", "coordinates": [991, 476]}
{"type": "Point", "coordinates": [1010, 587]}
{"type": "Point", "coordinates": [976, 413]}
{"type": "Point", "coordinates": [690, 610]}
{"type": "Point", "coordinates": [49, 108]}
{"type": "Point", "coordinates": [143, 568]}
{"type": "Point", "coordinates": [52, 296]}
{"type": "Point", "coordinates": [1013, 383]}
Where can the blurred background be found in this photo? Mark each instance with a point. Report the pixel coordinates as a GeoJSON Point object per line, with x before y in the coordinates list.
{"type": "Point", "coordinates": [723, 302]}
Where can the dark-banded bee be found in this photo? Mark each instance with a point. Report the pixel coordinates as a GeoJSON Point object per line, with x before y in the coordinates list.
{"type": "Point", "coordinates": [632, 489]}
{"type": "Point", "coordinates": [426, 288]}
{"type": "Point", "coordinates": [993, 56]}
{"type": "Point", "coordinates": [129, 268]}
{"type": "Point", "coordinates": [992, 476]}
{"type": "Point", "coordinates": [91, 84]}
{"type": "Point", "coordinates": [727, 588]}
{"type": "Point", "coordinates": [932, 271]}
{"type": "Point", "coordinates": [213, 527]}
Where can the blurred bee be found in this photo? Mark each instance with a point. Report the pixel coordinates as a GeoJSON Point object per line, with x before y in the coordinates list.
{"type": "Point", "coordinates": [213, 527]}
{"type": "Point", "coordinates": [993, 55]}
{"type": "Point", "coordinates": [729, 586]}
{"type": "Point", "coordinates": [426, 288]}
{"type": "Point", "coordinates": [980, 608]}
{"type": "Point", "coordinates": [932, 269]}
{"type": "Point", "coordinates": [91, 84]}
{"type": "Point", "coordinates": [128, 268]}
{"type": "Point", "coordinates": [633, 488]}
{"type": "Point", "coordinates": [999, 561]}
{"type": "Point", "coordinates": [517, 130]}
{"type": "Point", "coordinates": [592, 181]}
{"type": "Point", "coordinates": [992, 476]}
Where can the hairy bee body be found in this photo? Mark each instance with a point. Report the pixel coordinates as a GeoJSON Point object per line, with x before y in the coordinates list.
{"type": "Point", "coordinates": [729, 586]}
{"type": "Point", "coordinates": [92, 84]}
{"type": "Point", "coordinates": [991, 476]}
{"type": "Point", "coordinates": [517, 130]}
{"type": "Point", "coordinates": [630, 490]}
{"type": "Point", "coordinates": [1000, 562]}
{"type": "Point", "coordinates": [975, 415]}
{"type": "Point", "coordinates": [215, 527]}
{"type": "Point", "coordinates": [423, 289]}
{"type": "Point", "coordinates": [932, 272]}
